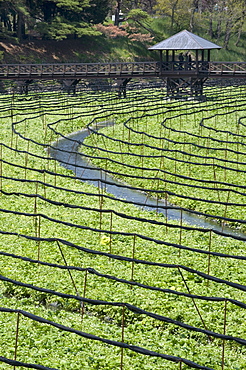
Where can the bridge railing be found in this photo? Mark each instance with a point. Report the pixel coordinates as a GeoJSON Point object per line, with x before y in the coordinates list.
{"type": "Point", "coordinates": [227, 67]}
{"type": "Point", "coordinates": [77, 69]}
{"type": "Point", "coordinates": [116, 70]}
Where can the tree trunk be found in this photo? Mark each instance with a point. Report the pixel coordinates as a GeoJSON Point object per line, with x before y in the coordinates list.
{"type": "Point", "coordinates": [14, 23]}
{"type": "Point", "coordinates": [218, 29]}
{"type": "Point", "coordinates": [117, 14]}
{"type": "Point", "coordinates": [239, 35]}
{"type": "Point", "coordinates": [221, 16]}
{"type": "Point", "coordinates": [48, 11]}
{"type": "Point", "coordinates": [227, 33]}
{"type": "Point", "coordinates": [192, 16]}
{"type": "Point", "coordinates": [20, 26]}
{"type": "Point", "coordinates": [240, 28]}
{"type": "Point", "coordinates": [210, 30]}
{"type": "Point", "coordinates": [173, 13]}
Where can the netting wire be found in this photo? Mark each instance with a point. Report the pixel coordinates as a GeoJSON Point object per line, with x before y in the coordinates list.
{"type": "Point", "coordinates": [105, 108]}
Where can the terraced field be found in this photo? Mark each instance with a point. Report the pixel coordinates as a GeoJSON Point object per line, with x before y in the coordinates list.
{"type": "Point", "coordinates": [90, 280]}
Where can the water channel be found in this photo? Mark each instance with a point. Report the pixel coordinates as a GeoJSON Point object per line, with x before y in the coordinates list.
{"type": "Point", "coordinates": [66, 151]}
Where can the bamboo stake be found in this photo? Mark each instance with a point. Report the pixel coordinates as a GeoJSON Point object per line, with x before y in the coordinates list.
{"type": "Point", "coordinates": [1, 168]}
{"type": "Point", "coordinates": [12, 114]}
{"type": "Point", "coordinates": [166, 212]}
{"type": "Point", "coordinates": [111, 227]}
{"type": "Point", "coordinates": [180, 230]}
{"type": "Point", "coordinates": [224, 332]}
{"type": "Point", "coordinates": [26, 158]}
{"type": "Point", "coordinates": [16, 336]}
{"type": "Point", "coordinates": [35, 210]}
{"type": "Point", "coordinates": [225, 159]}
{"type": "Point", "coordinates": [194, 302]}
{"type": "Point", "coordinates": [215, 179]}
{"type": "Point", "coordinates": [38, 235]}
{"type": "Point", "coordinates": [16, 143]}
{"type": "Point", "coordinates": [175, 164]}
{"type": "Point", "coordinates": [129, 139]}
{"type": "Point", "coordinates": [133, 256]}
{"type": "Point", "coordinates": [142, 153]}
{"type": "Point", "coordinates": [100, 216]}
{"type": "Point", "coordinates": [223, 223]}
{"type": "Point", "coordinates": [69, 272]}
{"type": "Point", "coordinates": [122, 337]}
{"type": "Point", "coordinates": [45, 184]}
{"type": "Point", "coordinates": [45, 133]}
{"type": "Point", "coordinates": [209, 255]}
{"type": "Point", "coordinates": [84, 291]}
{"type": "Point", "coordinates": [55, 169]}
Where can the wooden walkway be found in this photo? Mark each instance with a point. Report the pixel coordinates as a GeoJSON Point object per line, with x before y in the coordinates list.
{"type": "Point", "coordinates": [122, 70]}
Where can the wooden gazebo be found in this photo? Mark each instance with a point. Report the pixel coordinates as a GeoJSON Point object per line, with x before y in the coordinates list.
{"type": "Point", "coordinates": [187, 70]}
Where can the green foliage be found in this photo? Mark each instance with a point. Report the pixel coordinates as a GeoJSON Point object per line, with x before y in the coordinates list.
{"type": "Point", "coordinates": [138, 15]}
{"type": "Point", "coordinates": [222, 22]}
{"type": "Point", "coordinates": [181, 13]}
{"type": "Point", "coordinates": [46, 345]}
{"type": "Point", "coordinates": [59, 29]}
{"type": "Point", "coordinates": [72, 5]}
{"type": "Point", "coordinates": [53, 19]}
{"type": "Point", "coordinates": [98, 11]}
{"type": "Point", "coordinates": [187, 155]}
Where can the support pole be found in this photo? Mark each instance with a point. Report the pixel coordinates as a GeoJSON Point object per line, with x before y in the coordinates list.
{"type": "Point", "coordinates": [197, 61]}
{"type": "Point", "coordinates": [161, 61]}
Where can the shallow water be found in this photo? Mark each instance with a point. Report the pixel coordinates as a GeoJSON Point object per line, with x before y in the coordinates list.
{"type": "Point", "coordinates": [66, 151]}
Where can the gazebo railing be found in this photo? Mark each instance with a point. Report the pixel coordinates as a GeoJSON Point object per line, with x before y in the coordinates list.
{"type": "Point", "coordinates": [185, 66]}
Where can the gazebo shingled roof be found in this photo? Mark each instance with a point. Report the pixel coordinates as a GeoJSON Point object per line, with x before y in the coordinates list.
{"type": "Point", "coordinates": [185, 40]}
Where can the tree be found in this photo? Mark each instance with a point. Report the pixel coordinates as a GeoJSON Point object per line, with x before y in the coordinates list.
{"type": "Point", "coordinates": [226, 18]}
{"type": "Point", "coordinates": [13, 16]}
{"type": "Point", "coordinates": [97, 11]}
{"type": "Point", "coordinates": [140, 19]}
{"type": "Point", "coordinates": [51, 18]}
{"type": "Point", "coordinates": [241, 22]}
{"type": "Point", "coordinates": [180, 12]}
{"type": "Point", "coordinates": [168, 8]}
{"type": "Point", "coordinates": [234, 15]}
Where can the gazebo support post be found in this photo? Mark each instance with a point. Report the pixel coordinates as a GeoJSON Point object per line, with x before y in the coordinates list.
{"type": "Point", "coordinates": [202, 64]}
{"type": "Point", "coordinates": [173, 59]}
{"type": "Point", "coordinates": [197, 69]}
{"type": "Point", "coordinates": [161, 61]}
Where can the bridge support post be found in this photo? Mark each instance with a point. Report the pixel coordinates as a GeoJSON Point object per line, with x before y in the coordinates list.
{"type": "Point", "coordinates": [22, 86]}
{"type": "Point", "coordinates": [121, 86]}
{"type": "Point", "coordinates": [70, 86]}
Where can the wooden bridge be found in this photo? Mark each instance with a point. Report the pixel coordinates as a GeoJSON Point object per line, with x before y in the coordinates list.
{"type": "Point", "coordinates": [172, 69]}
{"type": "Point", "coordinates": [184, 76]}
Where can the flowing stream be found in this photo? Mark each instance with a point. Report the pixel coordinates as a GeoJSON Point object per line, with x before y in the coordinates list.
{"type": "Point", "coordinates": [66, 151]}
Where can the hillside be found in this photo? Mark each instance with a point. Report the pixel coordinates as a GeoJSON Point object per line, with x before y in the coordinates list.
{"type": "Point", "coordinates": [93, 49]}
{"type": "Point", "coordinates": [85, 50]}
